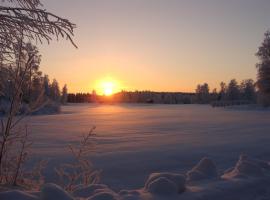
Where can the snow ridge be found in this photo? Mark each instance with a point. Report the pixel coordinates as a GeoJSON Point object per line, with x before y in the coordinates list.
{"type": "Point", "coordinates": [249, 179]}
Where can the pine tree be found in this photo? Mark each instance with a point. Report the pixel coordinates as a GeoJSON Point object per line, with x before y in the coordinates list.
{"type": "Point", "coordinates": [233, 92]}
{"type": "Point", "coordinates": [214, 95]}
{"type": "Point", "coordinates": [248, 91]}
{"type": "Point", "coordinates": [202, 93]}
{"type": "Point", "coordinates": [46, 85]}
{"type": "Point", "coordinates": [64, 96]}
{"type": "Point", "coordinates": [263, 67]}
{"type": "Point", "coordinates": [55, 91]}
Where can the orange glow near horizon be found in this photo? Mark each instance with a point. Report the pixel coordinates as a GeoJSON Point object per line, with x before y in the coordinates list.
{"type": "Point", "coordinates": [107, 87]}
{"type": "Point", "coordinates": [154, 47]}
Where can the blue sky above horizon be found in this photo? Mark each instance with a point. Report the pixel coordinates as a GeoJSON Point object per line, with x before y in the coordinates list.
{"type": "Point", "coordinates": [160, 45]}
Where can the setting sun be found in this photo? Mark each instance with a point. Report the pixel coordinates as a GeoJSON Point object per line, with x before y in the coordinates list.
{"type": "Point", "coordinates": [107, 87]}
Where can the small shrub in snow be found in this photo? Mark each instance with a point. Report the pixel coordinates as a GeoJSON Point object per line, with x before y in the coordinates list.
{"type": "Point", "coordinates": [247, 167]}
{"type": "Point", "coordinates": [205, 169]}
{"type": "Point", "coordinates": [15, 148]}
{"type": "Point", "coordinates": [52, 191]}
{"type": "Point", "coordinates": [16, 195]}
{"type": "Point", "coordinates": [165, 183]}
{"type": "Point", "coordinates": [81, 171]}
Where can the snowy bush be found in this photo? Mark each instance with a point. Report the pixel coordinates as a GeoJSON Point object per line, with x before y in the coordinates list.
{"type": "Point", "coordinates": [49, 107]}
{"type": "Point", "coordinates": [81, 171]}
{"type": "Point", "coordinates": [205, 169]}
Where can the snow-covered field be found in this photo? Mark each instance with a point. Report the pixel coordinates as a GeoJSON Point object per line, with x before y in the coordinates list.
{"type": "Point", "coordinates": [133, 141]}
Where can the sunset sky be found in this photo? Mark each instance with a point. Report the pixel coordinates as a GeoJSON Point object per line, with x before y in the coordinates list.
{"type": "Point", "coordinates": [160, 45]}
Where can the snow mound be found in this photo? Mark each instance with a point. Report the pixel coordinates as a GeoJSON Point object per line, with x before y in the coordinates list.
{"type": "Point", "coordinates": [104, 195]}
{"type": "Point", "coordinates": [162, 186]}
{"type": "Point", "coordinates": [247, 167]}
{"type": "Point", "coordinates": [52, 191]}
{"type": "Point", "coordinates": [249, 179]}
{"type": "Point", "coordinates": [205, 169]}
{"type": "Point", "coordinates": [165, 183]}
{"type": "Point", "coordinates": [88, 191]}
{"type": "Point", "coordinates": [16, 195]}
{"type": "Point", "coordinates": [129, 194]}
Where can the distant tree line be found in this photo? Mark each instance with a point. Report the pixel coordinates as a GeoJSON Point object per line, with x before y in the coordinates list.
{"type": "Point", "coordinates": [134, 97]}
{"type": "Point", "coordinates": [228, 92]}
{"type": "Point", "coordinates": [154, 97]}
{"type": "Point", "coordinates": [80, 98]}
{"type": "Point", "coordinates": [245, 92]}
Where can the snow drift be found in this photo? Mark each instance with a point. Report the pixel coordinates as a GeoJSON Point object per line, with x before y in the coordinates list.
{"type": "Point", "coordinates": [249, 179]}
{"type": "Point", "coordinates": [205, 169]}
{"type": "Point", "coordinates": [165, 183]}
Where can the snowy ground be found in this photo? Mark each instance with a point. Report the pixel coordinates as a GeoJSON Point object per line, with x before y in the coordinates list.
{"type": "Point", "coordinates": [133, 141]}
